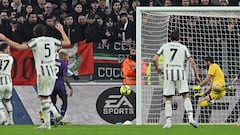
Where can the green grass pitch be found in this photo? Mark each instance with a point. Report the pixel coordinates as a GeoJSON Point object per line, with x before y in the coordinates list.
{"type": "Point", "coordinates": [122, 130]}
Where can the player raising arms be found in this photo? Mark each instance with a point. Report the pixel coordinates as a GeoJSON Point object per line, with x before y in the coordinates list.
{"type": "Point", "coordinates": [175, 54]}
{"type": "Point", "coordinates": [218, 87]}
{"type": "Point", "coordinates": [6, 62]}
{"type": "Point", "coordinates": [44, 51]}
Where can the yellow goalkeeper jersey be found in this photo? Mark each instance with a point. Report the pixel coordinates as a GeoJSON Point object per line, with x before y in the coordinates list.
{"type": "Point", "coordinates": [217, 74]}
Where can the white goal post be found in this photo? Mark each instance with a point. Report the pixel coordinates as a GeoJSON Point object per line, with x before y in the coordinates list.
{"type": "Point", "coordinates": [205, 31]}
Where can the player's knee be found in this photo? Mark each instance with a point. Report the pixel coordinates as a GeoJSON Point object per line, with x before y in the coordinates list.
{"type": "Point", "coordinates": [203, 103]}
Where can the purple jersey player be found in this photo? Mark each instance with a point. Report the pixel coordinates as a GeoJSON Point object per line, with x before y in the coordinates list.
{"type": "Point", "coordinates": [62, 78]}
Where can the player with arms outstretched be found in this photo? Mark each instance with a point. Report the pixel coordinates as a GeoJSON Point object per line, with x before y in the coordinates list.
{"type": "Point", "coordinates": [44, 50]}
{"type": "Point", "coordinates": [6, 62]}
{"type": "Point", "coordinates": [175, 54]}
{"type": "Point", "coordinates": [217, 88]}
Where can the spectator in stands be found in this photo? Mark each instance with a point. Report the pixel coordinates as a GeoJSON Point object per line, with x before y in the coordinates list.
{"type": "Point", "coordinates": [84, 4]}
{"type": "Point", "coordinates": [214, 2]}
{"type": "Point", "coordinates": [20, 18]}
{"type": "Point", "coordinates": [126, 29]}
{"type": "Point", "coordinates": [62, 11]}
{"type": "Point", "coordinates": [14, 26]}
{"type": "Point", "coordinates": [48, 10]}
{"type": "Point", "coordinates": [50, 27]}
{"type": "Point", "coordinates": [110, 32]}
{"type": "Point", "coordinates": [90, 28]}
{"type": "Point", "coordinates": [167, 3]}
{"type": "Point", "coordinates": [4, 25]}
{"type": "Point", "coordinates": [125, 5]}
{"type": "Point", "coordinates": [39, 8]}
{"type": "Point", "coordinates": [18, 6]}
{"type": "Point", "coordinates": [28, 10]}
{"type": "Point", "coordinates": [99, 32]}
{"type": "Point", "coordinates": [185, 3]}
{"type": "Point", "coordinates": [129, 68]}
{"type": "Point", "coordinates": [194, 2]}
{"type": "Point", "coordinates": [25, 30]}
{"type": "Point", "coordinates": [81, 26]}
{"type": "Point", "coordinates": [5, 5]}
{"type": "Point", "coordinates": [71, 29]}
{"type": "Point", "coordinates": [77, 10]}
{"type": "Point", "coordinates": [205, 3]}
{"type": "Point", "coordinates": [224, 2]}
{"type": "Point", "coordinates": [116, 7]}
{"type": "Point", "coordinates": [103, 10]}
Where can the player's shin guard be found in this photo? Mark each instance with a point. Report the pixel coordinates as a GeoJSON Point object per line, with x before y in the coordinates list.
{"type": "Point", "coordinates": [204, 103]}
{"type": "Point", "coordinates": [188, 108]}
{"type": "Point", "coordinates": [45, 106]}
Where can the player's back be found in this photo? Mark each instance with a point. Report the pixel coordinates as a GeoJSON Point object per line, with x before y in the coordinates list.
{"type": "Point", "coordinates": [44, 51]}
{"type": "Point", "coordinates": [6, 62]}
{"type": "Point", "coordinates": [175, 55]}
{"type": "Point", "coordinates": [62, 71]}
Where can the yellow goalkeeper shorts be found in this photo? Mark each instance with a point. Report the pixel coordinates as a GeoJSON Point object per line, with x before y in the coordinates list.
{"type": "Point", "coordinates": [217, 91]}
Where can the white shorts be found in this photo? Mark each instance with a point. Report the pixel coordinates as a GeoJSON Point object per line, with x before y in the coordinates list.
{"type": "Point", "coordinates": [6, 91]}
{"type": "Point", "coordinates": [45, 85]}
{"type": "Point", "coordinates": [170, 87]}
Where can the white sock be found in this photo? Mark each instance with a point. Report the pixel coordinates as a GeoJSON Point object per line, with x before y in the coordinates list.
{"type": "Point", "coordinates": [2, 113]}
{"type": "Point", "coordinates": [54, 110]}
{"type": "Point", "coordinates": [168, 110]}
{"type": "Point", "coordinates": [9, 108]}
{"type": "Point", "coordinates": [188, 108]}
{"type": "Point", "coordinates": [45, 106]}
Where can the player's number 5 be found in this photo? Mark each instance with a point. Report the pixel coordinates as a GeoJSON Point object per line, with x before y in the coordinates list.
{"type": "Point", "coordinates": [48, 50]}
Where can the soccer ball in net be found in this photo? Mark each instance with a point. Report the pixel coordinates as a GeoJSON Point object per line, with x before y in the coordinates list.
{"type": "Point", "coordinates": [125, 90]}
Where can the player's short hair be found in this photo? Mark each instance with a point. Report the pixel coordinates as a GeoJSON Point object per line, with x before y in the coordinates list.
{"type": "Point", "coordinates": [209, 58]}
{"type": "Point", "coordinates": [3, 46]}
{"type": "Point", "coordinates": [63, 51]}
{"type": "Point", "coordinates": [39, 30]}
{"type": "Point", "coordinates": [174, 35]}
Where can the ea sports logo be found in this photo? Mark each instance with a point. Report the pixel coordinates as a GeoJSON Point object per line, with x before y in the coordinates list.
{"type": "Point", "coordinates": [114, 107]}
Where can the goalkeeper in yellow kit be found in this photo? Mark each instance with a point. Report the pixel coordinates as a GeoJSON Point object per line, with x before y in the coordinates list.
{"type": "Point", "coordinates": [218, 86]}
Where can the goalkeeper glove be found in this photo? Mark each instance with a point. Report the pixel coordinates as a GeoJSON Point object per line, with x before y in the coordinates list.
{"type": "Point", "coordinates": [196, 87]}
{"type": "Point", "coordinates": [199, 95]}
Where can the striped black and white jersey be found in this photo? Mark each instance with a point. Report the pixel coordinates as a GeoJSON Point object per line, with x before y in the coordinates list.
{"type": "Point", "coordinates": [6, 62]}
{"type": "Point", "coordinates": [175, 55]}
{"type": "Point", "coordinates": [44, 51]}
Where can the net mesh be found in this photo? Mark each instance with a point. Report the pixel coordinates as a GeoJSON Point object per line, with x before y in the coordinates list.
{"type": "Point", "coordinates": [204, 34]}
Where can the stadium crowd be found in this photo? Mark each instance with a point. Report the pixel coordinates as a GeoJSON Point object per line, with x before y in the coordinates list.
{"type": "Point", "coordinates": [98, 21]}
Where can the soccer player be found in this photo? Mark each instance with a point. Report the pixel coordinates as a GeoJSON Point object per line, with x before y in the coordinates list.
{"type": "Point", "coordinates": [175, 54]}
{"type": "Point", "coordinates": [62, 78]}
{"type": "Point", "coordinates": [6, 62]}
{"type": "Point", "coordinates": [217, 89]}
{"type": "Point", "coordinates": [44, 51]}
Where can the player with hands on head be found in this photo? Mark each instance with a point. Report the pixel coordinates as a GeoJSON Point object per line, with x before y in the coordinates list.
{"type": "Point", "coordinates": [44, 50]}
{"type": "Point", "coordinates": [175, 55]}
{"type": "Point", "coordinates": [217, 88]}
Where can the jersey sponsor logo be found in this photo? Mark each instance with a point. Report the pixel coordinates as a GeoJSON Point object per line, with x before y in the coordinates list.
{"type": "Point", "coordinates": [114, 107]}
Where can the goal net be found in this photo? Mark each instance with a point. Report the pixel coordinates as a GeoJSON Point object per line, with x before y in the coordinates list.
{"type": "Point", "coordinates": [213, 31]}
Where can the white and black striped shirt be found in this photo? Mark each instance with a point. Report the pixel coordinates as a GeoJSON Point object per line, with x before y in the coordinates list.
{"type": "Point", "coordinates": [175, 55]}
{"type": "Point", "coordinates": [6, 62]}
